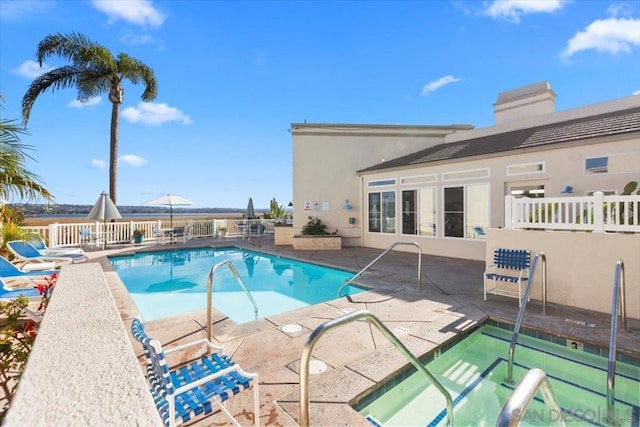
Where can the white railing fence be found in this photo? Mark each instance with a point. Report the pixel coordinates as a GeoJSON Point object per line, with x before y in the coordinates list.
{"type": "Point", "coordinates": [597, 213]}
{"type": "Point", "coordinates": [95, 233]}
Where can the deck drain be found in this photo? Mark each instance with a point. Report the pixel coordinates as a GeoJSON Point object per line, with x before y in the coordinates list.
{"type": "Point", "coordinates": [291, 329]}
{"type": "Point", "coordinates": [317, 367]}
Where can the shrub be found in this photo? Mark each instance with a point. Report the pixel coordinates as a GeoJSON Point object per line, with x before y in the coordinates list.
{"type": "Point", "coordinates": [17, 335]}
{"type": "Point", "coordinates": [314, 227]}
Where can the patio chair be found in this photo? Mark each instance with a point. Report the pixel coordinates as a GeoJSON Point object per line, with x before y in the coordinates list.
{"type": "Point", "coordinates": [9, 270]}
{"type": "Point", "coordinates": [192, 390]}
{"type": "Point", "coordinates": [511, 268]}
{"type": "Point", "coordinates": [13, 288]}
{"type": "Point", "coordinates": [38, 242]}
{"type": "Point", "coordinates": [88, 237]}
{"type": "Point", "coordinates": [26, 253]}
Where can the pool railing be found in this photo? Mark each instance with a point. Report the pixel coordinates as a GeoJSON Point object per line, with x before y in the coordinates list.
{"type": "Point", "coordinates": [305, 359]}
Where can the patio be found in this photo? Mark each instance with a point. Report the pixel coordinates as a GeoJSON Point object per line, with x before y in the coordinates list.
{"type": "Point", "coordinates": [450, 302]}
{"type": "Point", "coordinates": [357, 356]}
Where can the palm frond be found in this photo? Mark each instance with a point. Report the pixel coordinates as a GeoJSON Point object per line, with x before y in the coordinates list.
{"type": "Point", "coordinates": [135, 71]}
{"type": "Point", "coordinates": [58, 78]}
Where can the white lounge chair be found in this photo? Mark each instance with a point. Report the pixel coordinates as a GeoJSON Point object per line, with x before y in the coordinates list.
{"type": "Point", "coordinates": [25, 253]}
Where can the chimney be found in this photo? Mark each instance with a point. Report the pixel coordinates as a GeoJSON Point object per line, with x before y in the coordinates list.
{"type": "Point", "coordinates": [524, 102]}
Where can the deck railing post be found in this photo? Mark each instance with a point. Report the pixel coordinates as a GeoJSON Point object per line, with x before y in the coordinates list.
{"type": "Point", "coordinates": [508, 212]}
{"type": "Point", "coordinates": [598, 212]}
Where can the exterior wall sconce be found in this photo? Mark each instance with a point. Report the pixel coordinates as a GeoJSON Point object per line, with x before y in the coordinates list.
{"type": "Point", "coordinates": [346, 206]}
{"type": "Point", "coordinates": [567, 190]}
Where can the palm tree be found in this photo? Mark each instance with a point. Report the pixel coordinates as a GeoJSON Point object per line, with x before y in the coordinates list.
{"type": "Point", "coordinates": [93, 70]}
{"type": "Point", "coordinates": [14, 177]}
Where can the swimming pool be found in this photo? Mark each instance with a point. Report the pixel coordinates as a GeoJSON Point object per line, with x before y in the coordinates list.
{"type": "Point", "coordinates": [169, 283]}
{"type": "Point", "coordinates": [473, 371]}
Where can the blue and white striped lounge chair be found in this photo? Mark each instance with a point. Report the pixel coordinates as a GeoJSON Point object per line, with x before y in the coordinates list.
{"type": "Point", "coordinates": [510, 267]}
{"type": "Point", "coordinates": [25, 252]}
{"type": "Point", "coordinates": [192, 390]}
{"type": "Point", "coordinates": [38, 242]}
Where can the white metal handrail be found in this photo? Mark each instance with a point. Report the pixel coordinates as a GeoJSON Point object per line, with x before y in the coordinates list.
{"type": "Point", "coordinates": [210, 294]}
{"type": "Point", "coordinates": [343, 320]}
{"type": "Point", "coordinates": [523, 305]}
{"type": "Point", "coordinates": [515, 407]}
{"type": "Point", "coordinates": [617, 303]}
{"type": "Point", "coordinates": [386, 251]}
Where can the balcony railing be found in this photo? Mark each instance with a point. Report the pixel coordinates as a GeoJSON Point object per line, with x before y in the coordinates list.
{"type": "Point", "coordinates": [597, 213]}
{"type": "Point", "coordinates": [95, 233]}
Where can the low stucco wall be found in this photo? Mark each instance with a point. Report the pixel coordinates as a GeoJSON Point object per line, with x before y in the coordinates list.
{"type": "Point", "coordinates": [317, 242]}
{"type": "Point", "coordinates": [580, 266]}
{"type": "Point", "coordinates": [82, 369]}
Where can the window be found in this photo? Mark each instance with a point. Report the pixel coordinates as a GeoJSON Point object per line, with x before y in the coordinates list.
{"type": "Point", "coordinates": [525, 168]}
{"type": "Point", "coordinates": [596, 165]}
{"type": "Point", "coordinates": [418, 212]}
{"type": "Point", "coordinates": [421, 179]}
{"type": "Point", "coordinates": [616, 163]}
{"type": "Point", "coordinates": [468, 174]}
{"type": "Point", "coordinates": [382, 212]}
{"type": "Point", "coordinates": [531, 191]}
{"type": "Point", "coordinates": [381, 182]}
{"type": "Point", "coordinates": [466, 211]}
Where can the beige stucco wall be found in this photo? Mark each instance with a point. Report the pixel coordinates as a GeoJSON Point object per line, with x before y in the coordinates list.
{"type": "Point", "coordinates": [326, 158]}
{"type": "Point", "coordinates": [325, 161]}
{"type": "Point", "coordinates": [562, 166]}
{"type": "Point", "coordinates": [580, 266]}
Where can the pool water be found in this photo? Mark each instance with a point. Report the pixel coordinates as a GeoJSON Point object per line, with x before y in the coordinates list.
{"type": "Point", "coordinates": [170, 283]}
{"type": "Point", "coordinates": [473, 371]}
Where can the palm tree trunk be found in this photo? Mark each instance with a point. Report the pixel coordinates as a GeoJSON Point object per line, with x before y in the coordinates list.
{"type": "Point", "coordinates": [113, 152]}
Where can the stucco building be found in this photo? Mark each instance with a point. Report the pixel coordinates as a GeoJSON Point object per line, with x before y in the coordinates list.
{"type": "Point", "coordinates": [444, 186]}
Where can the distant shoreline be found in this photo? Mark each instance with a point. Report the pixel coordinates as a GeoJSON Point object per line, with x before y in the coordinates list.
{"type": "Point", "coordinates": [42, 220]}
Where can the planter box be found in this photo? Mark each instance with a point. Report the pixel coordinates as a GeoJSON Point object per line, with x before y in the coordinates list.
{"type": "Point", "coordinates": [317, 242]}
{"type": "Point", "coordinates": [283, 234]}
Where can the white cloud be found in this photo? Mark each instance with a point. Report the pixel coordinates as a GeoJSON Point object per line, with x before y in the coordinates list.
{"type": "Point", "coordinates": [154, 114]}
{"type": "Point", "coordinates": [138, 12]}
{"type": "Point", "coordinates": [133, 39]}
{"type": "Point", "coordinates": [613, 35]}
{"type": "Point", "coordinates": [437, 84]}
{"type": "Point", "coordinates": [512, 10]}
{"type": "Point", "coordinates": [132, 159]}
{"type": "Point", "coordinates": [89, 103]}
{"type": "Point", "coordinates": [30, 69]}
{"type": "Point", "coordinates": [637, 92]}
{"type": "Point", "coordinates": [619, 9]}
{"type": "Point", "coordinates": [98, 164]}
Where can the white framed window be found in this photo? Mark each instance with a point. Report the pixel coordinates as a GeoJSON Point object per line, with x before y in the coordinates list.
{"type": "Point", "coordinates": [382, 212]}
{"type": "Point", "coordinates": [466, 211]}
{"type": "Point", "coordinates": [605, 192]}
{"type": "Point", "coordinates": [419, 179]}
{"type": "Point", "coordinates": [527, 190]}
{"type": "Point", "coordinates": [419, 212]}
{"type": "Point", "coordinates": [526, 168]}
{"type": "Point", "coordinates": [613, 163]}
{"type": "Point", "coordinates": [381, 182]}
{"type": "Point", "coordinates": [466, 174]}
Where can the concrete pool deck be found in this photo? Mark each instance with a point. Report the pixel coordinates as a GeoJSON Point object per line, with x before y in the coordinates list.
{"type": "Point", "coordinates": [357, 356]}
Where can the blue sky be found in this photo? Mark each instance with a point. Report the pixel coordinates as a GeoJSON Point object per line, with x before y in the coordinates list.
{"type": "Point", "coordinates": [233, 76]}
